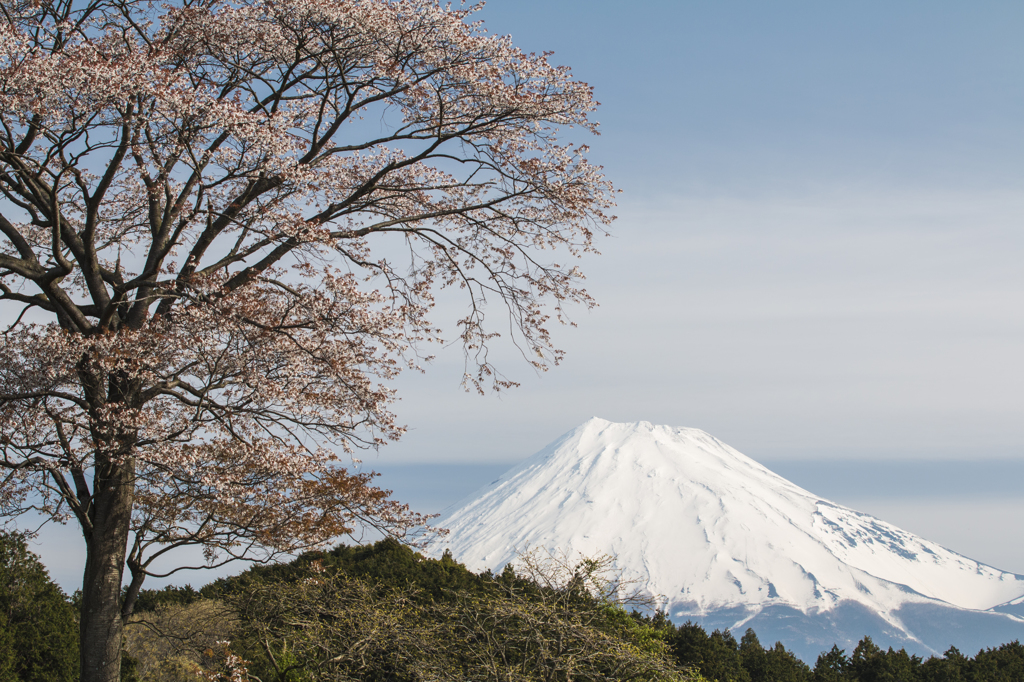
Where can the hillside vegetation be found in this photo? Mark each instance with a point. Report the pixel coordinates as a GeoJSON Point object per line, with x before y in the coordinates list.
{"type": "Point", "coordinates": [384, 612]}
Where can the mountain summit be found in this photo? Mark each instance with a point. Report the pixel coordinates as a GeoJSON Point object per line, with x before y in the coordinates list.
{"type": "Point", "coordinates": [728, 543]}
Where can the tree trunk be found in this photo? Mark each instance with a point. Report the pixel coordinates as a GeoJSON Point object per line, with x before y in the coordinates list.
{"type": "Point", "coordinates": [101, 622]}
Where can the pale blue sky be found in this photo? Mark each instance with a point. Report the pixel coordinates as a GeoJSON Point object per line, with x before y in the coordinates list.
{"type": "Point", "coordinates": [819, 246]}
{"type": "Point", "coordinates": [818, 258]}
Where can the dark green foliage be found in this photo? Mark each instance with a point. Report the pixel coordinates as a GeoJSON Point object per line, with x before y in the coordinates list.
{"type": "Point", "coordinates": [950, 668]}
{"type": "Point", "coordinates": [387, 562]}
{"type": "Point", "coordinates": [719, 657]}
{"type": "Point", "coordinates": [770, 665]}
{"type": "Point", "coordinates": [38, 626]}
{"type": "Point", "coordinates": [1004, 664]}
{"type": "Point", "coordinates": [129, 668]}
{"type": "Point", "coordinates": [753, 657]}
{"type": "Point", "coordinates": [832, 666]}
{"type": "Point", "coordinates": [716, 656]}
{"type": "Point", "coordinates": [149, 600]}
{"type": "Point", "coordinates": [782, 665]}
{"type": "Point", "coordinates": [869, 663]}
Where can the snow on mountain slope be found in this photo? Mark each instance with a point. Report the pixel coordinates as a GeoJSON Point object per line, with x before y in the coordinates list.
{"type": "Point", "coordinates": [710, 529]}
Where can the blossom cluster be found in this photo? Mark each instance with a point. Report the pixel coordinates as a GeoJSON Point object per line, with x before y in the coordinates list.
{"type": "Point", "coordinates": [225, 223]}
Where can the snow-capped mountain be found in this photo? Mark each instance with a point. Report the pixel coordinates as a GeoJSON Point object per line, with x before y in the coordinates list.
{"type": "Point", "coordinates": [730, 544]}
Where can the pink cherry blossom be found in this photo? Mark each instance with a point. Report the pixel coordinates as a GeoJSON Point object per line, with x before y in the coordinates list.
{"type": "Point", "coordinates": [223, 226]}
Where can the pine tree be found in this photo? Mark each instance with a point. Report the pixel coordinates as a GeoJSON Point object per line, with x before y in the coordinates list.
{"type": "Point", "coordinates": [832, 666]}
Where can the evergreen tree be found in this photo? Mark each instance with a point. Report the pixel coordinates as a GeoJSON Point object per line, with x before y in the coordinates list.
{"type": "Point", "coordinates": [870, 664]}
{"type": "Point", "coordinates": [770, 665]}
{"type": "Point", "coordinates": [782, 665]}
{"type": "Point", "coordinates": [832, 666]}
{"type": "Point", "coordinates": [753, 658]}
{"type": "Point", "coordinates": [38, 627]}
{"type": "Point", "coordinates": [716, 656]}
{"type": "Point", "coordinates": [1004, 664]}
{"type": "Point", "coordinates": [951, 668]}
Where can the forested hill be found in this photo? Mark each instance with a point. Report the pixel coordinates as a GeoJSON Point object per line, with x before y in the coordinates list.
{"type": "Point", "coordinates": [718, 656]}
{"type": "Point", "coordinates": [383, 612]}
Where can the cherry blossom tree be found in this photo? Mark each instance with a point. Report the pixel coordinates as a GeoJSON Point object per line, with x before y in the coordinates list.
{"type": "Point", "coordinates": [223, 225]}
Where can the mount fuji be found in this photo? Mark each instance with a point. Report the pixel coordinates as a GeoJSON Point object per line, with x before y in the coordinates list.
{"type": "Point", "coordinates": [722, 541]}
